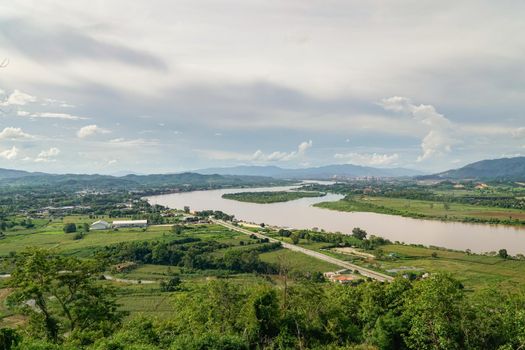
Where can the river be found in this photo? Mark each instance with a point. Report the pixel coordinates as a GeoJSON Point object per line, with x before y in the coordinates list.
{"type": "Point", "coordinates": [301, 214]}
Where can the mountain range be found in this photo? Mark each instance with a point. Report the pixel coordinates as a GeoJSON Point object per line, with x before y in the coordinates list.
{"type": "Point", "coordinates": [512, 169]}
{"type": "Point", "coordinates": [328, 172]}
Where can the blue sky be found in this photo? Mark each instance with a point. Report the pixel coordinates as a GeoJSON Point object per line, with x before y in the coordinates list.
{"type": "Point", "coordinates": [164, 86]}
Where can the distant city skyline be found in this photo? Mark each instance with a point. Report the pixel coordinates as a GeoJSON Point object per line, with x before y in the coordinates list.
{"type": "Point", "coordinates": [152, 87]}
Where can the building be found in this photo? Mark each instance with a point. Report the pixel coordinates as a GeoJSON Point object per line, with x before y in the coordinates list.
{"type": "Point", "coordinates": [100, 225]}
{"type": "Point", "coordinates": [130, 223]}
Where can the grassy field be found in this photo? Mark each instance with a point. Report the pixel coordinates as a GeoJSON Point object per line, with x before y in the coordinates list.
{"type": "Point", "coordinates": [475, 271]}
{"type": "Point", "coordinates": [271, 197]}
{"type": "Point", "coordinates": [426, 209]}
{"type": "Point", "coordinates": [298, 262]}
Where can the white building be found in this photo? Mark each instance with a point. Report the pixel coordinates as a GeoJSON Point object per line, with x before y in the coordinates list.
{"type": "Point", "coordinates": [130, 223]}
{"type": "Point", "coordinates": [100, 225]}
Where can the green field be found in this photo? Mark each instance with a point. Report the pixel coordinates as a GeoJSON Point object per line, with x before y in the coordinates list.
{"type": "Point", "coordinates": [271, 196]}
{"type": "Point", "coordinates": [475, 271]}
{"type": "Point", "coordinates": [427, 209]}
{"type": "Point", "coordinates": [298, 262]}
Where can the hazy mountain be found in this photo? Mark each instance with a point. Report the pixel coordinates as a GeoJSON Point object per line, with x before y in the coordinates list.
{"type": "Point", "coordinates": [12, 174]}
{"type": "Point", "coordinates": [11, 178]}
{"type": "Point", "coordinates": [324, 172]}
{"type": "Point", "coordinates": [491, 169]}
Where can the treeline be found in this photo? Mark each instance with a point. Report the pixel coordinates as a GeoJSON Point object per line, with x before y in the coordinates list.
{"type": "Point", "coordinates": [271, 196]}
{"type": "Point", "coordinates": [358, 205]}
{"type": "Point", "coordinates": [191, 253]}
{"type": "Point", "coordinates": [75, 311]}
{"type": "Point", "coordinates": [358, 238]}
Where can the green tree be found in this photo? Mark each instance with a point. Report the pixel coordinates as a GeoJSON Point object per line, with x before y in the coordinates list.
{"type": "Point", "coordinates": [171, 285]}
{"type": "Point", "coordinates": [295, 238]}
{"type": "Point", "coordinates": [177, 229]}
{"type": "Point", "coordinates": [64, 293]}
{"type": "Point", "coordinates": [70, 227]}
{"type": "Point", "coordinates": [503, 253]}
{"type": "Point", "coordinates": [434, 309]}
{"type": "Point", "coordinates": [359, 233]}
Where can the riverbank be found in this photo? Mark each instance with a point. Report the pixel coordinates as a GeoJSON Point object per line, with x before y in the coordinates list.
{"type": "Point", "coordinates": [430, 210]}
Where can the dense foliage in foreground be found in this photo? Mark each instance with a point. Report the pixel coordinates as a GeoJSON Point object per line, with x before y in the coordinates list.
{"type": "Point", "coordinates": [69, 308]}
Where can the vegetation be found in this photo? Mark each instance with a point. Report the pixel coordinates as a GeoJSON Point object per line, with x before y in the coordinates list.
{"type": "Point", "coordinates": [192, 284]}
{"type": "Point", "coordinates": [494, 203]}
{"type": "Point", "coordinates": [271, 196]}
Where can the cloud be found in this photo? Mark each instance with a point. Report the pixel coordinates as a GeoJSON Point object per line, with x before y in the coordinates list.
{"type": "Point", "coordinates": [90, 130]}
{"type": "Point", "coordinates": [65, 43]}
{"type": "Point", "coordinates": [133, 142]}
{"type": "Point", "coordinates": [49, 115]}
{"type": "Point", "coordinates": [18, 98]}
{"type": "Point", "coordinates": [440, 132]}
{"type": "Point", "coordinates": [47, 155]}
{"type": "Point", "coordinates": [373, 159]}
{"type": "Point", "coordinates": [9, 154]}
{"type": "Point", "coordinates": [518, 132]}
{"type": "Point", "coordinates": [278, 156]}
{"type": "Point", "coordinates": [258, 156]}
{"type": "Point", "coordinates": [10, 133]}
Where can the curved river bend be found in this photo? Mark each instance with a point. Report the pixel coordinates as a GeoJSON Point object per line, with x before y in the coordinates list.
{"type": "Point", "coordinates": [301, 214]}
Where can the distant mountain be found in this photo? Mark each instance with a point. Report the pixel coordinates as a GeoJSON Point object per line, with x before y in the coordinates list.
{"type": "Point", "coordinates": [12, 178]}
{"type": "Point", "coordinates": [316, 173]}
{"type": "Point", "coordinates": [11, 174]}
{"type": "Point", "coordinates": [512, 169]}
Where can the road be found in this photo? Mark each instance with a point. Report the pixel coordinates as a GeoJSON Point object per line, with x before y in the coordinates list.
{"type": "Point", "coordinates": [362, 270]}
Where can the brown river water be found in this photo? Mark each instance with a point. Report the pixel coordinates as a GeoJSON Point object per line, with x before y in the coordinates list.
{"type": "Point", "coordinates": [301, 214]}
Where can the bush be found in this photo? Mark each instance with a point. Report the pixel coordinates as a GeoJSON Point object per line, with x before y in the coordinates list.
{"type": "Point", "coordinates": [171, 285]}
{"type": "Point", "coordinates": [70, 227]}
{"type": "Point", "coordinates": [78, 236]}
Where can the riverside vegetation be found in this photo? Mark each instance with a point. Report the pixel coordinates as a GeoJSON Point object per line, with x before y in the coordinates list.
{"type": "Point", "coordinates": [271, 196]}
{"type": "Point", "coordinates": [493, 203]}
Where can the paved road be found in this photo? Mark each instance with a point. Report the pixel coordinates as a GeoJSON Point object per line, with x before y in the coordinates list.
{"type": "Point", "coordinates": [363, 271]}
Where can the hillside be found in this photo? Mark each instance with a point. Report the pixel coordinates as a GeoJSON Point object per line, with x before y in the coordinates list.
{"type": "Point", "coordinates": [493, 169]}
{"type": "Point", "coordinates": [317, 173]}
{"type": "Point", "coordinates": [16, 178]}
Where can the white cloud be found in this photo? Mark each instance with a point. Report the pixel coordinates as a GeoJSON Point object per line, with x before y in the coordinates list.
{"type": "Point", "coordinates": [18, 98]}
{"type": "Point", "coordinates": [258, 156]}
{"type": "Point", "coordinates": [373, 159]}
{"type": "Point", "coordinates": [133, 142]}
{"type": "Point", "coordinates": [9, 154]}
{"type": "Point", "coordinates": [49, 115]}
{"type": "Point", "coordinates": [278, 156]}
{"type": "Point", "coordinates": [47, 155]}
{"type": "Point", "coordinates": [90, 130]}
{"type": "Point", "coordinates": [10, 133]}
{"type": "Point", "coordinates": [440, 132]}
{"type": "Point", "coordinates": [518, 133]}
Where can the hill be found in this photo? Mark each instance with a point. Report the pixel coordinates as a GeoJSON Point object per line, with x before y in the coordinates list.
{"type": "Point", "coordinates": [512, 169]}
{"type": "Point", "coordinates": [18, 178]}
{"type": "Point", "coordinates": [314, 173]}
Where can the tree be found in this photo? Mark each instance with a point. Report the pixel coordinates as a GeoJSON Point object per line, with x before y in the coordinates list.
{"type": "Point", "coordinates": [70, 227]}
{"type": "Point", "coordinates": [85, 227]}
{"type": "Point", "coordinates": [177, 229]}
{"type": "Point", "coordinates": [434, 308]}
{"type": "Point", "coordinates": [171, 285]}
{"type": "Point", "coordinates": [503, 253]}
{"type": "Point", "coordinates": [186, 209]}
{"type": "Point", "coordinates": [359, 233]}
{"type": "Point", "coordinates": [295, 238]}
{"type": "Point", "coordinates": [66, 296]}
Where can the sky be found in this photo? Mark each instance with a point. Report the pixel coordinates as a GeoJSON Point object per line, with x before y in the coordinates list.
{"type": "Point", "coordinates": [167, 86]}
